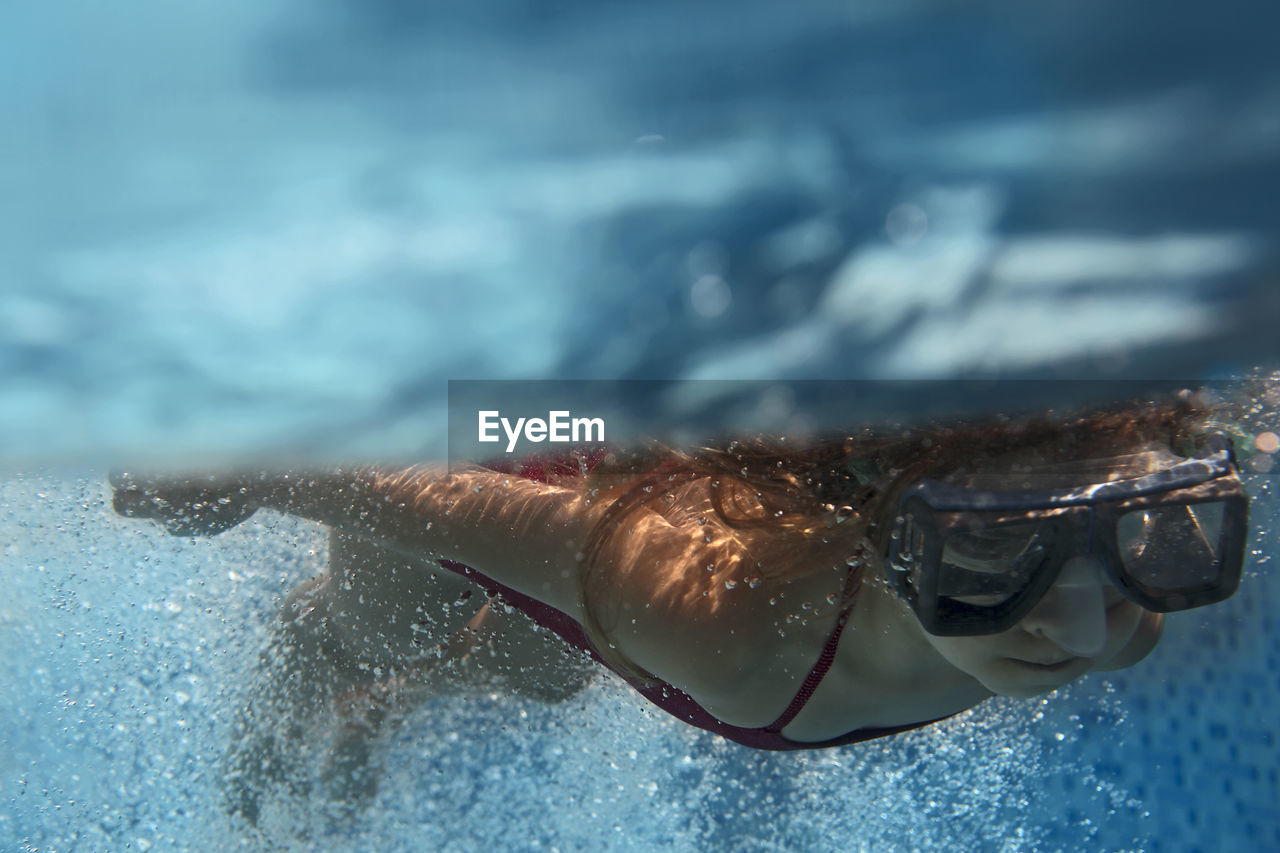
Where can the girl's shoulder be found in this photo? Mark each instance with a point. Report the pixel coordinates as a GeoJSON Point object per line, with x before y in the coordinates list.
{"type": "Point", "coordinates": [733, 617]}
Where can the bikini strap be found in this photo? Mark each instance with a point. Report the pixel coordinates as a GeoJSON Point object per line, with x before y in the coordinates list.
{"type": "Point", "coordinates": [851, 586]}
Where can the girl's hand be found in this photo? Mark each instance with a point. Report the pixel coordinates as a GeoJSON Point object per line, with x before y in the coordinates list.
{"type": "Point", "coordinates": [202, 505]}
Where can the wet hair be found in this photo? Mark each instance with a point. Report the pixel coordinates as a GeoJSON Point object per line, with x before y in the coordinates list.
{"type": "Point", "coordinates": [769, 483]}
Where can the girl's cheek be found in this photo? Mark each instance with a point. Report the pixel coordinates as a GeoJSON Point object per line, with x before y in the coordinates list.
{"type": "Point", "coordinates": [1122, 619]}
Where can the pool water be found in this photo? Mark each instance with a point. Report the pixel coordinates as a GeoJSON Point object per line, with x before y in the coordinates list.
{"type": "Point", "coordinates": [273, 231]}
{"type": "Point", "coordinates": [277, 227]}
{"type": "Point", "coordinates": [125, 652]}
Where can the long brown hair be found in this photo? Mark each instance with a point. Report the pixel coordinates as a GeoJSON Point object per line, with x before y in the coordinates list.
{"type": "Point", "coordinates": [768, 484]}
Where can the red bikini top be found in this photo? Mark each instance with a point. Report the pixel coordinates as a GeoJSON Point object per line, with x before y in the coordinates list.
{"type": "Point", "coordinates": [671, 699]}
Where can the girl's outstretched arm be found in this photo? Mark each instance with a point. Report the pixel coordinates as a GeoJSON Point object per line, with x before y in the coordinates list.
{"type": "Point", "coordinates": [521, 533]}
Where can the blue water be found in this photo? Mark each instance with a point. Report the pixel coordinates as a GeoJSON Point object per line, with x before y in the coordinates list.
{"type": "Point", "coordinates": [275, 229]}
{"type": "Point", "coordinates": [282, 226]}
{"type": "Point", "coordinates": [124, 653]}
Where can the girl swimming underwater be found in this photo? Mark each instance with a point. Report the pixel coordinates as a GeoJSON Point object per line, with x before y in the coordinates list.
{"type": "Point", "coordinates": [782, 597]}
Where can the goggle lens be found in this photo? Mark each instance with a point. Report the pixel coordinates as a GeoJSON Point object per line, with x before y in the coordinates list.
{"type": "Point", "coordinates": [1177, 548]}
{"type": "Point", "coordinates": [986, 566]}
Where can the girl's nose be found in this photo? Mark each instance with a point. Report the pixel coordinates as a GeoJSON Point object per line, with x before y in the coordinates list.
{"type": "Point", "coordinates": [1073, 613]}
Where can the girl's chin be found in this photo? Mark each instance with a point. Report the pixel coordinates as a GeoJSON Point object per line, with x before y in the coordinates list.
{"type": "Point", "coordinates": [1021, 691]}
{"type": "Point", "coordinates": [1025, 679]}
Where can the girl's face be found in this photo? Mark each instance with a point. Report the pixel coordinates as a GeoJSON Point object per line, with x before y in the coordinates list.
{"type": "Point", "coordinates": [1081, 622]}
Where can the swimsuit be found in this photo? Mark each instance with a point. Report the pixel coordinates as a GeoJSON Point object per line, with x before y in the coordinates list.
{"type": "Point", "coordinates": [670, 699]}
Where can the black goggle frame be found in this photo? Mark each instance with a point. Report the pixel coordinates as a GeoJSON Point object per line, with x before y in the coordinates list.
{"type": "Point", "coordinates": [1077, 521]}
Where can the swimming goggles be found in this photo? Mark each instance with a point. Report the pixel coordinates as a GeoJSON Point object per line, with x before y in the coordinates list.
{"type": "Point", "coordinates": [974, 561]}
